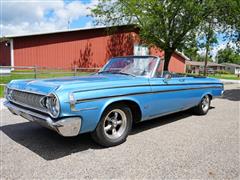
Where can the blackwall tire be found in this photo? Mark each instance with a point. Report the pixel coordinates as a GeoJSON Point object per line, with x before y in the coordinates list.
{"type": "Point", "coordinates": [203, 107]}
{"type": "Point", "coordinates": [114, 126]}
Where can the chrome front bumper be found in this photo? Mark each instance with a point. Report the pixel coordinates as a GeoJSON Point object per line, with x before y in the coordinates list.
{"type": "Point", "coordinates": [66, 127]}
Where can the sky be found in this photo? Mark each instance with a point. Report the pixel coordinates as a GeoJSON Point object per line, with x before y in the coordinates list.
{"type": "Point", "coordinates": [32, 16]}
{"type": "Point", "coordinates": [20, 17]}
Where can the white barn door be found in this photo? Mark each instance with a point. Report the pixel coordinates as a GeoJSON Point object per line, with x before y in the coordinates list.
{"type": "Point", "coordinates": [140, 50]}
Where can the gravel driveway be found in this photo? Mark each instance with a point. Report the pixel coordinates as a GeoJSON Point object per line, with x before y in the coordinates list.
{"type": "Point", "coordinates": [181, 145]}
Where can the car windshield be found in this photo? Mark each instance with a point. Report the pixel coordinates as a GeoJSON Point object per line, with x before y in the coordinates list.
{"type": "Point", "coordinates": [133, 66]}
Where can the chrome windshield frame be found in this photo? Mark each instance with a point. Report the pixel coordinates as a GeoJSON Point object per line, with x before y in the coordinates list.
{"type": "Point", "coordinates": [152, 74]}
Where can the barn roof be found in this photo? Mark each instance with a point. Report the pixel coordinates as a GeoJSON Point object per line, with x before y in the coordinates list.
{"type": "Point", "coordinates": [231, 64]}
{"type": "Point", "coordinates": [182, 54]}
{"type": "Point", "coordinates": [71, 30]}
{"type": "Point", "coordinates": [200, 63]}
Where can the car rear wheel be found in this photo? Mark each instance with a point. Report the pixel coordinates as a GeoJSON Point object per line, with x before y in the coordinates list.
{"type": "Point", "coordinates": [114, 126]}
{"type": "Point", "coordinates": [203, 106]}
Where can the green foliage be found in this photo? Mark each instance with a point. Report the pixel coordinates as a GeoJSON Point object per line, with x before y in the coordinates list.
{"type": "Point", "coordinates": [166, 24]}
{"type": "Point", "coordinates": [4, 39]}
{"type": "Point", "coordinates": [228, 16]}
{"type": "Point", "coordinates": [192, 53]}
{"type": "Point", "coordinates": [228, 55]}
{"type": "Point", "coordinates": [222, 72]}
{"type": "Point", "coordinates": [169, 24]}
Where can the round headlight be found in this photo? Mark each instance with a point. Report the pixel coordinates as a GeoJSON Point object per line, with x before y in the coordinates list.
{"type": "Point", "coordinates": [53, 105]}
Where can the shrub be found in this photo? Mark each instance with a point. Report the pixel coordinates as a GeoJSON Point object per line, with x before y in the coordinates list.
{"type": "Point", "coordinates": [222, 72]}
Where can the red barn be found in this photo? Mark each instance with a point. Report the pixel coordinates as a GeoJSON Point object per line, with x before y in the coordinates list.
{"type": "Point", "coordinates": [82, 47]}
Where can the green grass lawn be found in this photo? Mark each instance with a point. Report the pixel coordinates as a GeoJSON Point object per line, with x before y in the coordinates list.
{"type": "Point", "coordinates": [1, 91]}
{"type": "Point", "coordinates": [225, 76]}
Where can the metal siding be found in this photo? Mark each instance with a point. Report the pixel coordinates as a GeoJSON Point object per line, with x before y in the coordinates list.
{"type": "Point", "coordinates": [177, 64]}
{"type": "Point", "coordinates": [5, 57]}
{"type": "Point", "coordinates": [156, 52]}
{"type": "Point", "coordinates": [84, 49]}
{"type": "Point", "coordinates": [89, 48]}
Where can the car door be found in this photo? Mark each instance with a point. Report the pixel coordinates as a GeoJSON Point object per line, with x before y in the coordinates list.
{"type": "Point", "coordinates": [168, 95]}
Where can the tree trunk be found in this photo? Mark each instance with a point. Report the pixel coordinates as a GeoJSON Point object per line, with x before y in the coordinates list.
{"type": "Point", "coordinates": [208, 43]}
{"type": "Point", "coordinates": [167, 57]}
{"type": "Point", "coordinates": [205, 61]}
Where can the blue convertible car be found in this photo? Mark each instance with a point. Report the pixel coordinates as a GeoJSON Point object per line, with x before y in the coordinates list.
{"type": "Point", "coordinates": [126, 90]}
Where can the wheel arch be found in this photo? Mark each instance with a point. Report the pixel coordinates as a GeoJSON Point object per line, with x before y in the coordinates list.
{"type": "Point", "coordinates": [132, 104]}
{"type": "Point", "coordinates": [208, 94]}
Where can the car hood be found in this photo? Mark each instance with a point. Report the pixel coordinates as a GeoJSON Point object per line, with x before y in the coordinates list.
{"type": "Point", "coordinates": [45, 86]}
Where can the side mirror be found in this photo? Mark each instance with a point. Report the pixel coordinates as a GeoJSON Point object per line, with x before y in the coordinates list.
{"type": "Point", "coordinates": [167, 77]}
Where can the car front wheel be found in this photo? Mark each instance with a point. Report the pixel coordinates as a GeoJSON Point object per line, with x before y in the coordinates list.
{"type": "Point", "coordinates": [203, 106]}
{"type": "Point", "coordinates": [114, 126]}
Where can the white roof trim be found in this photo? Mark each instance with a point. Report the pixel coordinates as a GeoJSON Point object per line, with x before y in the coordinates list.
{"type": "Point", "coordinates": [62, 31]}
{"type": "Point", "coordinates": [182, 54]}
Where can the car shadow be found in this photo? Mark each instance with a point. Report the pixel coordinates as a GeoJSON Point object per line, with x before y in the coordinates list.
{"type": "Point", "coordinates": [232, 94]}
{"type": "Point", "coordinates": [161, 121]}
{"type": "Point", "coordinates": [49, 145]}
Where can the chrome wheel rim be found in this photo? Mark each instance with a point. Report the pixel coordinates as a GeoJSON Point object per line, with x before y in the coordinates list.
{"type": "Point", "coordinates": [115, 124]}
{"type": "Point", "coordinates": [205, 103]}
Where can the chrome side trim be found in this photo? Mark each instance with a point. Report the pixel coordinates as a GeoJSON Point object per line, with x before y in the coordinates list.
{"type": "Point", "coordinates": [143, 93]}
{"type": "Point", "coordinates": [84, 109]}
{"type": "Point", "coordinates": [72, 102]}
{"type": "Point", "coordinates": [116, 87]}
{"type": "Point", "coordinates": [142, 85]}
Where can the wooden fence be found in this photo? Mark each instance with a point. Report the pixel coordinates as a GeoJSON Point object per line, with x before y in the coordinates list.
{"type": "Point", "coordinates": [36, 70]}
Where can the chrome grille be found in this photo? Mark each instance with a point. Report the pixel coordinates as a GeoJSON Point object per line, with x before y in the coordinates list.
{"type": "Point", "coordinates": [25, 98]}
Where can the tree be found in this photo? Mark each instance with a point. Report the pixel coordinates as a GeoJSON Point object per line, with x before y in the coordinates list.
{"type": "Point", "coordinates": [4, 39]}
{"type": "Point", "coordinates": [228, 16]}
{"type": "Point", "coordinates": [209, 39]}
{"type": "Point", "coordinates": [171, 24]}
{"type": "Point", "coordinates": [228, 55]}
{"type": "Point", "coordinates": [192, 50]}
{"type": "Point", "coordinates": [167, 24]}
{"type": "Point", "coordinates": [193, 55]}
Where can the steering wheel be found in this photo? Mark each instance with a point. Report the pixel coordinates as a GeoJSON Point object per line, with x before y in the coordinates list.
{"type": "Point", "coordinates": [139, 71]}
{"type": "Point", "coordinates": [167, 76]}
